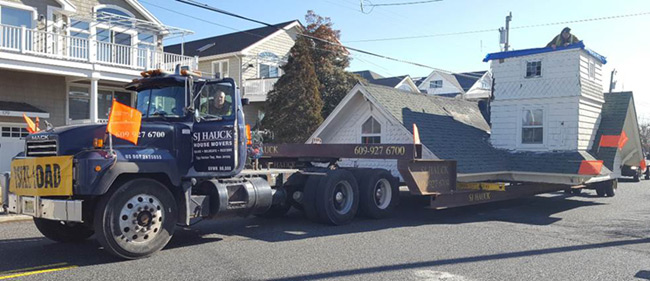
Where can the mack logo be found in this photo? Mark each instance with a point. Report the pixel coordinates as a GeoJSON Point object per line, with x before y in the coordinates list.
{"type": "Point", "coordinates": [39, 137]}
{"type": "Point", "coordinates": [212, 136]}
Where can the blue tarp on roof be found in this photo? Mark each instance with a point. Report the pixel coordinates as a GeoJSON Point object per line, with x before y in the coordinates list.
{"type": "Point", "coordinates": [525, 52]}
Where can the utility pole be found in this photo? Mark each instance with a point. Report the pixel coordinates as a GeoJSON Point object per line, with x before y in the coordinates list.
{"type": "Point", "coordinates": [612, 83]}
{"type": "Point", "coordinates": [508, 19]}
{"type": "Point", "coordinates": [504, 33]}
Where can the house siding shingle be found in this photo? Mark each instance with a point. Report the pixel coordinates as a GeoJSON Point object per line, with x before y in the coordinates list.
{"type": "Point", "coordinates": [40, 5]}
{"type": "Point", "coordinates": [85, 7]}
{"type": "Point", "coordinates": [46, 92]}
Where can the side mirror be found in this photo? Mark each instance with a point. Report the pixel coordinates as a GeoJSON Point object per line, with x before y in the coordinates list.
{"type": "Point", "coordinates": [245, 101]}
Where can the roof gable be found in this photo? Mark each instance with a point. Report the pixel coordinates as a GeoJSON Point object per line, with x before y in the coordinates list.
{"type": "Point", "coordinates": [368, 75]}
{"type": "Point", "coordinates": [228, 43]}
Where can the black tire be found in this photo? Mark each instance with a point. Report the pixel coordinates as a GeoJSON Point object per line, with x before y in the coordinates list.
{"type": "Point", "coordinates": [146, 204]}
{"type": "Point", "coordinates": [66, 232]}
{"type": "Point", "coordinates": [636, 178]}
{"type": "Point", "coordinates": [309, 197]}
{"type": "Point", "coordinates": [600, 190]}
{"type": "Point", "coordinates": [277, 211]}
{"type": "Point", "coordinates": [647, 173]}
{"type": "Point", "coordinates": [610, 188]}
{"type": "Point", "coordinates": [576, 191]}
{"type": "Point", "coordinates": [337, 198]}
{"type": "Point", "coordinates": [369, 204]}
{"type": "Point", "coordinates": [568, 190]}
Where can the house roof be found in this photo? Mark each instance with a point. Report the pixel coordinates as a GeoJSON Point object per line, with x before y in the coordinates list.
{"type": "Point", "coordinates": [389, 81]}
{"type": "Point", "coordinates": [227, 43]}
{"type": "Point", "coordinates": [614, 113]}
{"type": "Point", "coordinates": [19, 107]}
{"type": "Point", "coordinates": [368, 75]}
{"type": "Point", "coordinates": [455, 129]}
{"type": "Point", "coordinates": [526, 52]}
{"type": "Point", "coordinates": [467, 79]}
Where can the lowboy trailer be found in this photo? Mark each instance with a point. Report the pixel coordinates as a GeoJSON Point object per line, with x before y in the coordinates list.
{"type": "Point", "coordinates": [192, 161]}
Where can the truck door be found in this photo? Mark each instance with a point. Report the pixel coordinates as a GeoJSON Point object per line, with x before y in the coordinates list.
{"type": "Point", "coordinates": [214, 136]}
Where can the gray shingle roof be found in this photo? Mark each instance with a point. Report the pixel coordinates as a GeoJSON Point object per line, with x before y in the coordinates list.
{"type": "Point", "coordinates": [467, 79]}
{"type": "Point", "coordinates": [613, 116]}
{"type": "Point", "coordinates": [227, 43]}
{"type": "Point", "coordinates": [455, 129]}
{"type": "Point", "coordinates": [389, 81]}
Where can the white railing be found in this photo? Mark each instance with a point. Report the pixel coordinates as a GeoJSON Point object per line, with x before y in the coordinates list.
{"type": "Point", "coordinates": [257, 89]}
{"type": "Point", "coordinates": [49, 44]}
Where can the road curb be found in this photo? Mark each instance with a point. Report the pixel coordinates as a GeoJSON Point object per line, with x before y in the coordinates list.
{"type": "Point", "coordinates": [13, 218]}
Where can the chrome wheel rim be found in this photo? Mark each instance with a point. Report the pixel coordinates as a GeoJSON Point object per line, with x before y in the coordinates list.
{"type": "Point", "coordinates": [382, 194]}
{"type": "Point", "coordinates": [343, 197]}
{"type": "Point", "coordinates": [141, 219]}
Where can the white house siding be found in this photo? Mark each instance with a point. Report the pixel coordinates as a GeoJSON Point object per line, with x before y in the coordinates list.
{"type": "Point", "coordinates": [560, 123]}
{"type": "Point", "coordinates": [205, 66]}
{"type": "Point", "coordinates": [447, 86]}
{"type": "Point", "coordinates": [589, 119]}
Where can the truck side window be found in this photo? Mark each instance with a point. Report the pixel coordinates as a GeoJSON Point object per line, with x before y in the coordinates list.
{"type": "Point", "coordinates": [215, 102]}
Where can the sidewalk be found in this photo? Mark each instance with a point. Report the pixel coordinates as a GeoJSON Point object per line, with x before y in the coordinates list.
{"type": "Point", "coordinates": [12, 218]}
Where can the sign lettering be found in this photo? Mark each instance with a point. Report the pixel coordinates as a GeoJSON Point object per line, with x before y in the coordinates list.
{"type": "Point", "coordinates": [43, 176]}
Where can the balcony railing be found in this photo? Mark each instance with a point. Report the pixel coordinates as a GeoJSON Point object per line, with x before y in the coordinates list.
{"type": "Point", "coordinates": [257, 89]}
{"type": "Point", "coordinates": [54, 45]}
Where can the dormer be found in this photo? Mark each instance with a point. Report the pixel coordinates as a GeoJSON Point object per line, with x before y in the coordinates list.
{"type": "Point", "coordinates": [546, 99]}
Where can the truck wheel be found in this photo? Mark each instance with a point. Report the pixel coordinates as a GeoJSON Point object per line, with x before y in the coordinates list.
{"type": "Point", "coordinates": [137, 219]}
{"type": "Point", "coordinates": [636, 178]}
{"type": "Point", "coordinates": [378, 193]}
{"type": "Point", "coordinates": [610, 187]}
{"type": "Point", "coordinates": [337, 199]}
{"type": "Point", "coordinates": [276, 211]}
{"type": "Point", "coordinates": [647, 173]}
{"type": "Point", "coordinates": [576, 191]}
{"type": "Point", "coordinates": [309, 197]}
{"type": "Point", "coordinates": [63, 231]}
{"type": "Point", "coordinates": [600, 190]}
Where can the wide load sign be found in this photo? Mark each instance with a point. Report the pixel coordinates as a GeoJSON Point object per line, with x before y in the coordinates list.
{"type": "Point", "coordinates": [41, 176]}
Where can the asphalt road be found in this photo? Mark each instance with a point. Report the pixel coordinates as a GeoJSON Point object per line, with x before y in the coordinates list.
{"type": "Point", "coordinates": [547, 237]}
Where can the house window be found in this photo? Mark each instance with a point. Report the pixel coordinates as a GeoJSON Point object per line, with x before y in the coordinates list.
{"type": "Point", "coordinates": [104, 101]}
{"type": "Point", "coordinates": [220, 67]}
{"type": "Point", "coordinates": [371, 131]}
{"type": "Point", "coordinates": [269, 65]}
{"type": "Point", "coordinates": [592, 69]}
{"type": "Point", "coordinates": [532, 126]}
{"type": "Point", "coordinates": [533, 69]}
{"type": "Point", "coordinates": [435, 84]}
{"type": "Point", "coordinates": [14, 132]}
{"type": "Point", "coordinates": [79, 103]}
{"type": "Point", "coordinates": [79, 35]}
{"type": "Point", "coordinates": [16, 17]}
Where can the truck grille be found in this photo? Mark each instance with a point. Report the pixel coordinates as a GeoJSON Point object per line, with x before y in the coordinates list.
{"type": "Point", "coordinates": [40, 148]}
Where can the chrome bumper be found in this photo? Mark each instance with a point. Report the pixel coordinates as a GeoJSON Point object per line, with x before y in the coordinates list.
{"type": "Point", "coordinates": [51, 209]}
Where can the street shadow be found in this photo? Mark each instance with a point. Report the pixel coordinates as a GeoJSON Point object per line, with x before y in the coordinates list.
{"type": "Point", "coordinates": [431, 263]}
{"type": "Point", "coordinates": [411, 212]}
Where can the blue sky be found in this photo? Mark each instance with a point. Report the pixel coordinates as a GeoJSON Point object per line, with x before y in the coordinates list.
{"type": "Point", "coordinates": [623, 41]}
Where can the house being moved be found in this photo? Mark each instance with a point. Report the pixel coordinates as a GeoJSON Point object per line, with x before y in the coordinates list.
{"type": "Point", "coordinates": [550, 122]}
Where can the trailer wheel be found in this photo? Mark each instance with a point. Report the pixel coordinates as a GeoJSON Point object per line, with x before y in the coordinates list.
{"type": "Point", "coordinates": [610, 187]}
{"type": "Point", "coordinates": [600, 190]}
{"type": "Point", "coordinates": [647, 173]}
{"type": "Point", "coordinates": [337, 198]}
{"type": "Point", "coordinates": [309, 197]}
{"type": "Point", "coordinates": [63, 231]}
{"type": "Point", "coordinates": [636, 178]}
{"type": "Point", "coordinates": [378, 193]}
{"type": "Point", "coordinates": [137, 219]}
{"type": "Point", "coordinates": [576, 191]}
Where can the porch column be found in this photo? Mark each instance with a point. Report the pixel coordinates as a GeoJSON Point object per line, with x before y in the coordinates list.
{"type": "Point", "coordinates": [93, 99]}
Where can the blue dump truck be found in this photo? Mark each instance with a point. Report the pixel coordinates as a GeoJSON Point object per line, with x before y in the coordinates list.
{"type": "Point", "coordinates": [193, 160]}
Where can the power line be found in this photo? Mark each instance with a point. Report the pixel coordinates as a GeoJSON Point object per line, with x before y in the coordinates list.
{"type": "Point", "coordinates": [493, 29]}
{"type": "Point", "coordinates": [205, 6]}
{"type": "Point", "coordinates": [400, 3]}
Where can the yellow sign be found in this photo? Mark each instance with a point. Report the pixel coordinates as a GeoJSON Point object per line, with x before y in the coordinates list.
{"type": "Point", "coordinates": [41, 176]}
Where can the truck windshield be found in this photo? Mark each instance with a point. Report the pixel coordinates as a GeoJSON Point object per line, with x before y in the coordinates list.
{"type": "Point", "coordinates": [165, 102]}
{"type": "Point", "coordinates": [216, 101]}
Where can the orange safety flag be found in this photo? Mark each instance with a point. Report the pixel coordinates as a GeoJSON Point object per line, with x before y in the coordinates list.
{"type": "Point", "coordinates": [249, 137]}
{"type": "Point", "coordinates": [416, 134]}
{"type": "Point", "coordinates": [124, 122]}
{"type": "Point", "coordinates": [590, 167]}
{"type": "Point", "coordinates": [614, 140]}
{"type": "Point", "coordinates": [642, 164]}
{"type": "Point", "coordinates": [31, 127]}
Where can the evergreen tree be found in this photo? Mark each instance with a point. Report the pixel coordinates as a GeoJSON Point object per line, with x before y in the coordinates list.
{"type": "Point", "coordinates": [293, 107]}
{"type": "Point", "coordinates": [330, 62]}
